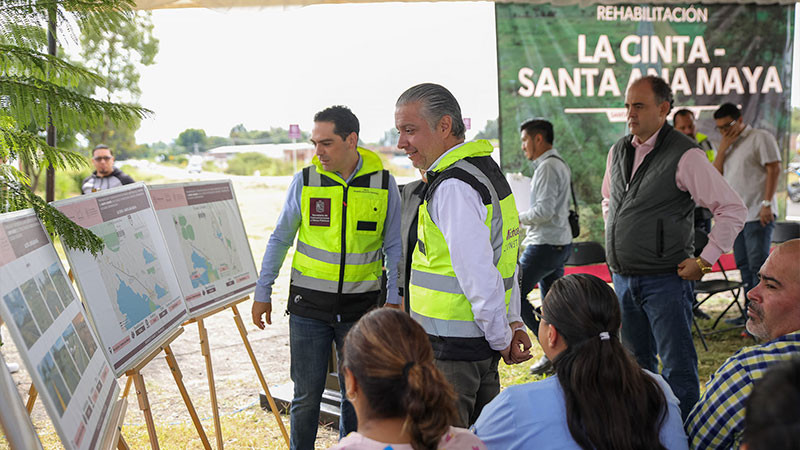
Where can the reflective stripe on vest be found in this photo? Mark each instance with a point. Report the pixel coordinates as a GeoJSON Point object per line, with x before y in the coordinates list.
{"type": "Point", "coordinates": [348, 287]}
{"type": "Point", "coordinates": [444, 283]}
{"type": "Point", "coordinates": [340, 242]}
{"type": "Point", "coordinates": [335, 258]}
{"type": "Point", "coordinates": [438, 302]}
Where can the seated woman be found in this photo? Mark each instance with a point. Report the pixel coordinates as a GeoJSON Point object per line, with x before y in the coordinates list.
{"type": "Point", "coordinates": [401, 399]}
{"type": "Point", "coordinates": [599, 397]}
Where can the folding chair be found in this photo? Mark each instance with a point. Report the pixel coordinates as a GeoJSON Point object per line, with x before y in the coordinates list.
{"type": "Point", "coordinates": [710, 288]}
{"type": "Point", "coordinates": [785, 231]}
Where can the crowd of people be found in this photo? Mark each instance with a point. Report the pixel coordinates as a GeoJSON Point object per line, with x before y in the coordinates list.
{"type": "Point", "coordinates": [422, 371]}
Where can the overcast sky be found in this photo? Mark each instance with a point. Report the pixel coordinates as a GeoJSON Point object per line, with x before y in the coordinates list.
{"type": "Point", "coordinates": [273, 67]}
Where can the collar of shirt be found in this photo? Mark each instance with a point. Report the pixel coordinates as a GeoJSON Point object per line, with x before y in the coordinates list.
{"type": "Point", "coordinates": [536, 162]}
{"type": "Point", "coordinates": [436, 163]}
{"type": "Point", "coordinates": [355, 171]}
{"type": "Point", "coordinates": [648, 144]}
{"type": "Point", "coordinates": [743, 135]}
{"type": "Point", "coordinates": [793, 336]}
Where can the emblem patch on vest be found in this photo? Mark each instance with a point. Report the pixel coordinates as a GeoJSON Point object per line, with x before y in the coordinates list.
{"type": "Point", "coordinates": [320, 212]}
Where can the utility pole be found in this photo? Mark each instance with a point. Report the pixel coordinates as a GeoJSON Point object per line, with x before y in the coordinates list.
{"type": "Point", "coordinates": [50, 181]}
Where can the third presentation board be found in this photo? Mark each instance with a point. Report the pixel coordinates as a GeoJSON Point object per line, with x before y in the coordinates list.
{"type": "Point", "coordinates": [207, 240]}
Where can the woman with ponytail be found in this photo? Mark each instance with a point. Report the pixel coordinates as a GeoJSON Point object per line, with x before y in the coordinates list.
{"type": "Point", "coordinates": [599, 398]}
{"type": "Point", "coordinates": [401, 399]}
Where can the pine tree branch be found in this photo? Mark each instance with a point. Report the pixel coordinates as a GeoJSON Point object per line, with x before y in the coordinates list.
{"type": "Point", "coordinates": [25, 62]}
{"type": "Point", "coordinates": [33, 151]}
{"type": "Point", "coordinates": [15, 196]}
{"type": "Point", "coordinates": [28, 97]}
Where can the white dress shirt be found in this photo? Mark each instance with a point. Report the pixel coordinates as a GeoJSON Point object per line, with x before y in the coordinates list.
{"type": "Point", "coordinates": [457, 210]}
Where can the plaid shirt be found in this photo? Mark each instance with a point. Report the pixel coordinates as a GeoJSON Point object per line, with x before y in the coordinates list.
{"type": "Point", "coordinates": [717, 420]}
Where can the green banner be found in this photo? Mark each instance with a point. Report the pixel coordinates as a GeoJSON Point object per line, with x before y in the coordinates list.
{"type": "Point", "coordinates": [572, 65]}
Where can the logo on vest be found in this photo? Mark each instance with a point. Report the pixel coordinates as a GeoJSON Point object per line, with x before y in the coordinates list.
{"type": "Point", "coordinates": [512, 232]}
{"type": "Point", "coordinates": [320, 212]}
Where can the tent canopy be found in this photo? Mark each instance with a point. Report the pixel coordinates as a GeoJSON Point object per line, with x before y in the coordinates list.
{"type": "Point", "coordinates": [213, 4]}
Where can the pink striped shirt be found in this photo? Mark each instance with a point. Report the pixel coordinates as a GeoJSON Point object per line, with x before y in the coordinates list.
{"type": "Point", "coordinates": [708, 188]}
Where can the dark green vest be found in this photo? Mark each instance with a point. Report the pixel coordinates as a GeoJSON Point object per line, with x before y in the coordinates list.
{"type": "Point", "coordinates": [650, 224]}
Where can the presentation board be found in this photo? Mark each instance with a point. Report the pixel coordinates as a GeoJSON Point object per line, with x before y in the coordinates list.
{"type": "Point", "coordinates": [207, 240]}
{"type": "Point", "coordinates": [130, 289]}
{"type": "Point", "coordinates": [48, 326]}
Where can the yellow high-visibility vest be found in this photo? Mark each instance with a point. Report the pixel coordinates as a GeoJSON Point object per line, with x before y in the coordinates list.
{"type": "Point", "coordinates": [437, 301]}
{"type": "Point", "coordinates": [340, 241]}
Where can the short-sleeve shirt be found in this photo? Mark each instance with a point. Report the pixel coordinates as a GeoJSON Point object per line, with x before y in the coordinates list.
{"type": "Point", "coordinates": [744, 168]}
{"type": "Point", "coordinates": [454, 439]}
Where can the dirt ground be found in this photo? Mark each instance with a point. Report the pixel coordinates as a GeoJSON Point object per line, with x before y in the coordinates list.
{"type": "Point", "coordinates": [260, 201]}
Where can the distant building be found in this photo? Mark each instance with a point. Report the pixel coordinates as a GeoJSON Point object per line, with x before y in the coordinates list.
{"type": "Point", "coordinates": [302, 151]}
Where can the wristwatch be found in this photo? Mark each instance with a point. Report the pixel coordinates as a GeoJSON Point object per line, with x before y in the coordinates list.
{"type": "Point", "coordinates": [766, 203]}
{"type": "Point", "coordinates": [703, 267]}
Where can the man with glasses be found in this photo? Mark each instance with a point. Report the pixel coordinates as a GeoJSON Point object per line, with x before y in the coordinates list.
{"type": "Point", "coordinates": [105, 175]}
{"type": "Point", "coordinates": [749, 160]}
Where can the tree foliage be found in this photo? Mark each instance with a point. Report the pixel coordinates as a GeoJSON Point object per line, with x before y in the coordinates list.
{"type": "Point", "coordinates": [191, 136]}
{"type": "Point", "coordinates": [116, 52]}
{"type": "Point", "coordinates": [275, 135]}
{"type": "Point", "coordinates": [490, 131]}
{"type": "Point", "coordinates": [37, 90]}
{"type": "Point", "coordinates": [248, 163]}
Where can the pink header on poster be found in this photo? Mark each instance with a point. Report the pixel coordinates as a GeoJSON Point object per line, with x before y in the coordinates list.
{"type": "Point", "coordinates": [6, 252]}
{"type": "Point", "coordinates": [85, 213]}
{"type": "Point", "coordinates": [168, 198]}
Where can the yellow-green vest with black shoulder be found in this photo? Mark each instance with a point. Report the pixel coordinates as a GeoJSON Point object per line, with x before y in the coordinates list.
{"type": "Point", "coordinates": [437, 300]}
{"type": "Point", "coordinates": [338, 260]}
{"type": "Point", "coordinates": [705, 145]}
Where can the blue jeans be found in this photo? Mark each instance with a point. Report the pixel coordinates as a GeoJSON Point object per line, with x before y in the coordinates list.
{"type": "Point", "coordinates": [657, 320]}
{"type": "Point", "coordinates": [310, 345]}
{"type": "Point", "coordinates": [750, 249]}
{"type": "Point", "coordinates": [542, 264]}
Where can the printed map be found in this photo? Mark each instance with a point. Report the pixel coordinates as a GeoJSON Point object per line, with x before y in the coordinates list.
{"type": "Point", "coordinates": [132, 274]}
{"type": "Point", "coordinates": [209, 250]}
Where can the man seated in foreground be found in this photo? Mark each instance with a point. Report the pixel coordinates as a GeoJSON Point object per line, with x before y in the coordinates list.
{"type": "Point", "coordinates": [717, 420]}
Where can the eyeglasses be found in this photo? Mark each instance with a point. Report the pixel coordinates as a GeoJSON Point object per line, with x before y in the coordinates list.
{"type": "Point", "coordinates": [102, 158]}
{"type": "Point", "coordinates": [538, 313]}
{"type": "Point", "coordinates": [726, 127]}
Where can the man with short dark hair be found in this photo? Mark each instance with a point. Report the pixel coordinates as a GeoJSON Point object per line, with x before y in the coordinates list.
{"type": "Point", "coordinates": [105, 175]}
{"type": "Point", "coordinates": [717, 420]}
{"type": "Point", "coordinates": [683, 120]}
{"type": "Point", "coordinates": [464, 267]}
{"type": "Point", "coordinates": [749, 159]}
{"type": "Point", "coordinates": [654, 177]}
{"type": "Point", "coordinates": [549, 237]}
{"type": "Point", "coordinates": [345, 210]}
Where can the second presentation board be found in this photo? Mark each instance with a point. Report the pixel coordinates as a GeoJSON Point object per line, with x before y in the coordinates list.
{"type": "Point", "coordinates": [130, 289]}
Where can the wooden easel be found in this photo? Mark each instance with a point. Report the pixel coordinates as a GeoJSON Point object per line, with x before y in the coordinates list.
{"type": "Point", "coordinates": [135, 377]}
{"type": "Point", "coordinates": [113, 431]}
{"type": "Point", "coordinates": [206, 351]}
